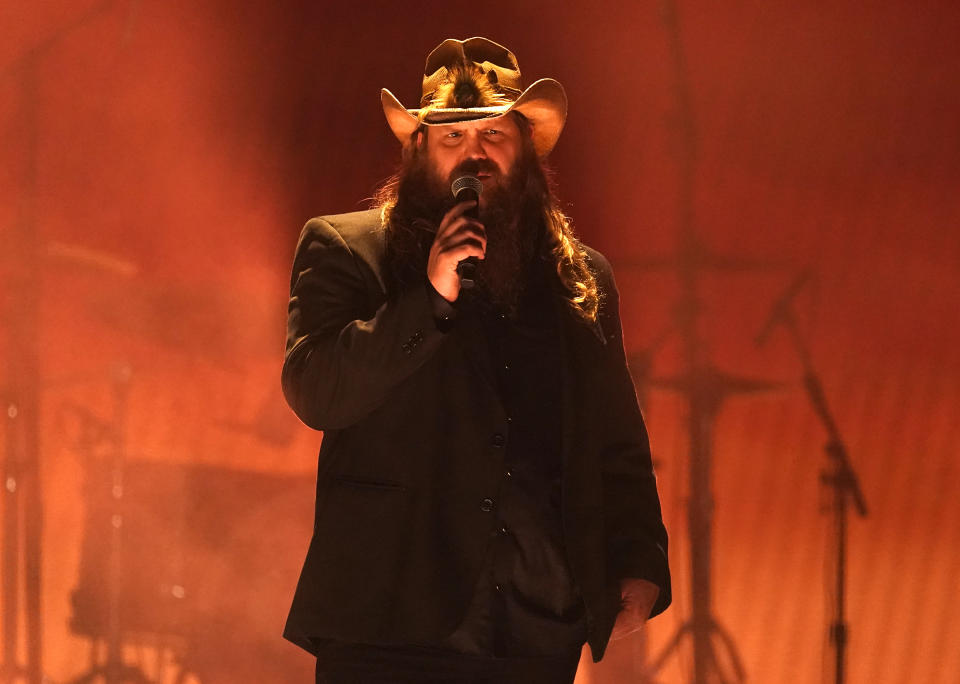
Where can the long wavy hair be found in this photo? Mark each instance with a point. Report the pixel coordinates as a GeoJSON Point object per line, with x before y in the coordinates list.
{"type": "Point", "coordinates": [559, 243]}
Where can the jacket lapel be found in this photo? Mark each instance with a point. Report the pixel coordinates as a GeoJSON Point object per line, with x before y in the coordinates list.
{"type": "Point", "coordinates": [580, 348]}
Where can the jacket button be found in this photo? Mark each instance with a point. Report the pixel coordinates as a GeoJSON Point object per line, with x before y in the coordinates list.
{"type": "Point", "coordinates": [486, 505]}
{"type": "Point", "coordinates": [497, 440]}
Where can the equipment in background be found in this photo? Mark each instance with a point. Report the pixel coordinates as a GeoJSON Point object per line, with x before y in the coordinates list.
{"type": "Point", "coordinates": [207, 557]}
{"type": "Point", "coordinates": [704, 386]}
{"type": "Point", "coordinates": [839, 476]}
{"type": "Point", "coordinates": [22, 270]}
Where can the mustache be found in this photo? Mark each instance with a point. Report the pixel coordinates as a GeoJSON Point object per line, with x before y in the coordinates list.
{"type": "Point", "coordinates": [474, 167]}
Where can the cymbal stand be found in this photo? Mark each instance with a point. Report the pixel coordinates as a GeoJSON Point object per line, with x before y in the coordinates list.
{"type": "Point", "coordinates": [704, 386]}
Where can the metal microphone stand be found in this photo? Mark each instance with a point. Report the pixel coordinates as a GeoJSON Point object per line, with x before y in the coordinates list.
{"type": "Point", "coordinates": [840, 476]}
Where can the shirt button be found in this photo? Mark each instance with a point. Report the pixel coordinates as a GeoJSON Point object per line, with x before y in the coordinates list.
{"type": "Point", "coordinates": [509, 473]}
{"type": "Point", "coordinates": [497, 440]}
{"type": "Point", "coordinates": [506, 366]}
{"type": "Point", "coordinates": [503, 530]}
{"type": "Point", "coordinates": [486, 505]}
{"type": "Point", "coordinates": [498, 587]}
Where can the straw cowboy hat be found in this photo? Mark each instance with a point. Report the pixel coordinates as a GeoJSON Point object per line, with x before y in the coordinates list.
{"type": "Point", "coordinates": [477, 79]}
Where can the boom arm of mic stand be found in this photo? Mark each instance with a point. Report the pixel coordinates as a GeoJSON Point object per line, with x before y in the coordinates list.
{"type": "Point", "coordinates": [845, 477]}
{"type": "Point", "coordinates": [844, 481]}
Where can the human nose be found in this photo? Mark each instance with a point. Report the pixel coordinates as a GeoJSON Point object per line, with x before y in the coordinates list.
{"type": "Point", "coordinates": [475, 146]}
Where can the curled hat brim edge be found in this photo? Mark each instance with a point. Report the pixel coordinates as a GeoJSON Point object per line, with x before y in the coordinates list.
{"type": "Point", "coordinates": [544, 104]}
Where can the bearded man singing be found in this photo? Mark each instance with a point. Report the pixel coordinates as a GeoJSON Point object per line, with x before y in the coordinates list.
{"type": "Point", "coordinates": [485, 496]}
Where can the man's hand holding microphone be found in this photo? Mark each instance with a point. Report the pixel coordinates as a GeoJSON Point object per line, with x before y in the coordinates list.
{"type": "Point", "coordinates": [460, 237]}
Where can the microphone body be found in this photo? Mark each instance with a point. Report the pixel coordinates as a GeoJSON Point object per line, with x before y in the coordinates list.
{"type": "Point", "coordinates": [468, 188]}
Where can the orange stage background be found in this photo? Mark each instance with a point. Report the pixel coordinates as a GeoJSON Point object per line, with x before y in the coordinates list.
{"type": "Point", "coordinates": [180, 146]}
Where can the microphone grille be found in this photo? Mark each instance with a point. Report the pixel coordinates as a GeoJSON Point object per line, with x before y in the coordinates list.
{"type": "Point", "coordinates": [467, 182]}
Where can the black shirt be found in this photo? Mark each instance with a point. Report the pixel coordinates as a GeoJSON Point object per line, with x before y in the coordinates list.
{"type": "Point", "coordinates": [526, 603]}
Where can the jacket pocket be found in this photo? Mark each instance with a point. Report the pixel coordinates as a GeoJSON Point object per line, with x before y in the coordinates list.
{"type": "Point", "coordinates": [367, 483]}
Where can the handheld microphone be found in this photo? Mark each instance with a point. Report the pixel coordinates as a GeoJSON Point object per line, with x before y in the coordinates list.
{"type": "Point", "coordinates": [468, 188]}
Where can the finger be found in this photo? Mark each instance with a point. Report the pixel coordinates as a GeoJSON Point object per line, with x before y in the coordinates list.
{"type": "Point", "coordinates": [460, 221]}
{"type": "Point", "coordinates": [468, 229]}
{"type": "Point", "coordinates": [460, 251]}
{"type": "Point", "coordinates": [473, 244]}
{"type": "Point", "coordinates": [449, 219]}
{"type": "Point", "coordinates": [461, 207]}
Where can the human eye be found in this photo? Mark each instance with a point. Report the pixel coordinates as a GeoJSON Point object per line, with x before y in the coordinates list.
{"type": "Point", "coordinates": [452, 138]}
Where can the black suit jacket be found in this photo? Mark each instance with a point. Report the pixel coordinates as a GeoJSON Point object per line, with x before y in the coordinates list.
{"type": "Point", "coordinates": [412, 448]}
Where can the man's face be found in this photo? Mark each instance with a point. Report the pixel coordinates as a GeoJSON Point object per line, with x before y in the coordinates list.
{"type": "Point", "coordinates": [488, 148]}
{"type": "Point", "coordinates": [498, 152]}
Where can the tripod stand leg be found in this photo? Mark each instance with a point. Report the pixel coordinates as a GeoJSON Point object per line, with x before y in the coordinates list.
{"type": "Point", "coordinates": [728, 645]}
{"type": "Point", "coordinates": [671, 646]}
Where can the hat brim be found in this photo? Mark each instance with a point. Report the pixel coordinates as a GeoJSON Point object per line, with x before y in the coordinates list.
{"type": "Point", "coordinates": [544, 104]}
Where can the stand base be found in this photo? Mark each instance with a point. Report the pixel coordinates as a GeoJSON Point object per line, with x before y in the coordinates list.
{"type": "Point", "coordinates": [14, 674]}
{"type": "Point", "coordinates": [714, 673]}
{"type": "Point", "coordinates": [116, 674]}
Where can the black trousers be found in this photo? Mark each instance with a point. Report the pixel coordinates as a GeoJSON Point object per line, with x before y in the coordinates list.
{"type": "Point", "coordinates": [344, 663]}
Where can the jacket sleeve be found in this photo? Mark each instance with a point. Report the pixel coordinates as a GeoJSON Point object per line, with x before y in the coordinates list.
{"type": "Point", "coordinates": [342, 359]}
{"type": "Point", "coordinates": [636, 536]}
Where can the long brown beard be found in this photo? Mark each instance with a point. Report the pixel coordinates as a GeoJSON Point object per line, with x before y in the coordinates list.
{"type": "Point", "coordinates": [510, 216]}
